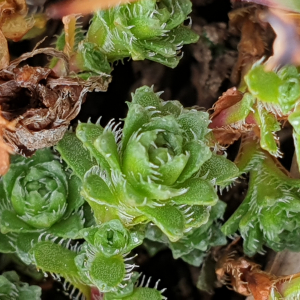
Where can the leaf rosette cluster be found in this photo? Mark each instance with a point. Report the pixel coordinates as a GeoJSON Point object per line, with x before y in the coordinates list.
{"type": "Point", "coordinates": [12, 288]}
{"type": "Point", "coordinates": [145, 29]}
{"type": "Point", "coordinates": [157, 169]}
{"type": "Point", "coordinates": [100, 263]}
{"type": "Point", "coordinates": [37, 196]}
{"type": "Point", "coordinates": [269, 214]}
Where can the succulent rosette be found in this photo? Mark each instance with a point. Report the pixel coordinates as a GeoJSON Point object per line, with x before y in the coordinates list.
{"type": "Point", "coordinates": [12, 288]}
{"type": "Point", "coordinates": [101, 262]}
{"type": "Point", "coordinates": [156, 169]}
{"type": "Point", "coordinates": [269, 214]}
{"type": "Point", "coordinates": [144, 29]}
{"type": "Point", "coordinates": [37, 195]}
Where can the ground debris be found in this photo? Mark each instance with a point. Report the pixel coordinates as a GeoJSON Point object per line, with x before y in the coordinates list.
{"type": "Point", "coordinates": [40, 103]}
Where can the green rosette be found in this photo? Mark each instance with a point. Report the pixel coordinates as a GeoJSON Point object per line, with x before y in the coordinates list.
{"type": "Point", "coordinates": [37, 195]}
{"type": "Point", "coordinates": [157, 169]}
{"type": "Point", "coordinates": [269, 214]}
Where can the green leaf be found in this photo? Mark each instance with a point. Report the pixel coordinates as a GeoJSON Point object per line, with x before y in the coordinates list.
{"type": "Point", "coordinates": [194, 124]}
{"type": "Point", "coordinates": [263, 85]}
{"type": "Point", "coordinates": [88, 133]}
{"type": "Point", "coordinates": [107, 272]}
{"type": "Point", "coordinates": [108, 148]}
{"type": "Point", "coordinates": [6, 244]}
{"type": "Point", "coordinates": [144, 293]}
{"type": "Point", "coordinates": [146, 97]}
{"type": "Point", "coordinates": [199, 154]}
{"type": "Point", "coordinates": [73, 153]}
{"type": "Point", "coordinates": [137, 116]}
{"type": "Point", "coordinates": [200, 192]}
{"type": "Point", "coordinates": [219, 168]}
{"type": "Point", "coordinates": [168, 218]}
{"type": "Point", "coordinates": [12, 288]}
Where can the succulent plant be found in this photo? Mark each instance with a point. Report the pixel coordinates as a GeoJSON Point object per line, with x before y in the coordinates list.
{"type": "Point", "coordinates": [151, 171]}
{"type": "Point", "coordinates": [158, 169]}
{"type": "Point", "coordinates": [269, 214]}
{"type": "Point", "coordinates": [194, 246]}
{"type": "Point", "coordinates": [145, 29]}
{"type": "Point", "coordinates": [37, 195]}
{"type": "Point", "coordinates": [12, 288]}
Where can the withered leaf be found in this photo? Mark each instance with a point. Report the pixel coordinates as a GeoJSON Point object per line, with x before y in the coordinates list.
{"type": "Point", "coordinates": [5, 149]}
{"type": "Point", "coordinates": [246, 277]}
{"type": "Point", "coordinates": [242, 274]}
{"type": "Point", "coordinates": [255, 38]}
{"type": "Point", "coordinates": [4, 53]}
{"type": "Point", "coordinates": [13, 21]}
{"type": "Point", "coordinates": [70, 28]}
{"type": "Point", "coordinates": [40, 103]}
{"type": "Point", "coordinates": [228, 98]}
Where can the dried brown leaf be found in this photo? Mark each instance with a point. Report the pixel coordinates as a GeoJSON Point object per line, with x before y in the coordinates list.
{"type": "Point", "coordinates": [255, 38]}
{"type": "Point", "coordinates": [228, 98]}
{"type": "Point", "coordinates": [242, 274]}
{"type": "Point", "coordinates": [40, 103]}
{"type": "Point", "coordinates": [13, 21]}
{"type": "Point", "coordinates": [4, 53]}
{"type": "Point", "coordinates": [69, 28]}
{"type": "Point", "coordinates": [229, 133]}
{"type": "Point", "coordinates": [5, 149]}
{"type": "Point", "coordinates": [16, 26]}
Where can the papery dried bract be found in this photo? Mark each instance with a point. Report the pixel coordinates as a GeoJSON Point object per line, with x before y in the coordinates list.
{"type": "Point", "coordinates": [13, 21]}
{"type": "Point", "coordinates": [41, 104]}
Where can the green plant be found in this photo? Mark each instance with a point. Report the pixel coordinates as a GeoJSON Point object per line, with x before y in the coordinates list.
{"type": "Point", "coordinates": [146, 29]}
{"type": "Point", "coordinates": [79, 211]}
{"type": "Point", "coordinates": [158, 169]}
{"type": "Point", "coordinates": [12, 288]}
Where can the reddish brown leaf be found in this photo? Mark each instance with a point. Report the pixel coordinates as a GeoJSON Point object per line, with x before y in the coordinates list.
{"type": "Point", "coordinates": [260, 284]}
{"type": "Point", "coordinates": [228, 98]}
{"type": "Point", "coordinates": [5, 149]}
{"type": "Point", "coordinates": [225, 133]}
{"type": "Point", "coordinates": [255, 38]}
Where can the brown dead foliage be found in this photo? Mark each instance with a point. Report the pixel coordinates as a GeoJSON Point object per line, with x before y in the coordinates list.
{"type": "Point", "coordinates": [40, 103]}
{"type": "Point", "coordinates": [5, 149]}
{"type": "Point", "coordinates": [242, 274]}
{"type": "Point", "coordinates": [256, 36]}
{"type": "Point", "coordinates": [14, 22]}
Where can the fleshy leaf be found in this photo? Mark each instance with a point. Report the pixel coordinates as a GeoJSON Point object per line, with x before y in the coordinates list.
{"type": "Point", "coordinates": [72, 151]}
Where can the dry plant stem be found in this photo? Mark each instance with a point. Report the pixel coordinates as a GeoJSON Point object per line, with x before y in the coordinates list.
{"type": "Point", "coordinates": [284, 262]}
